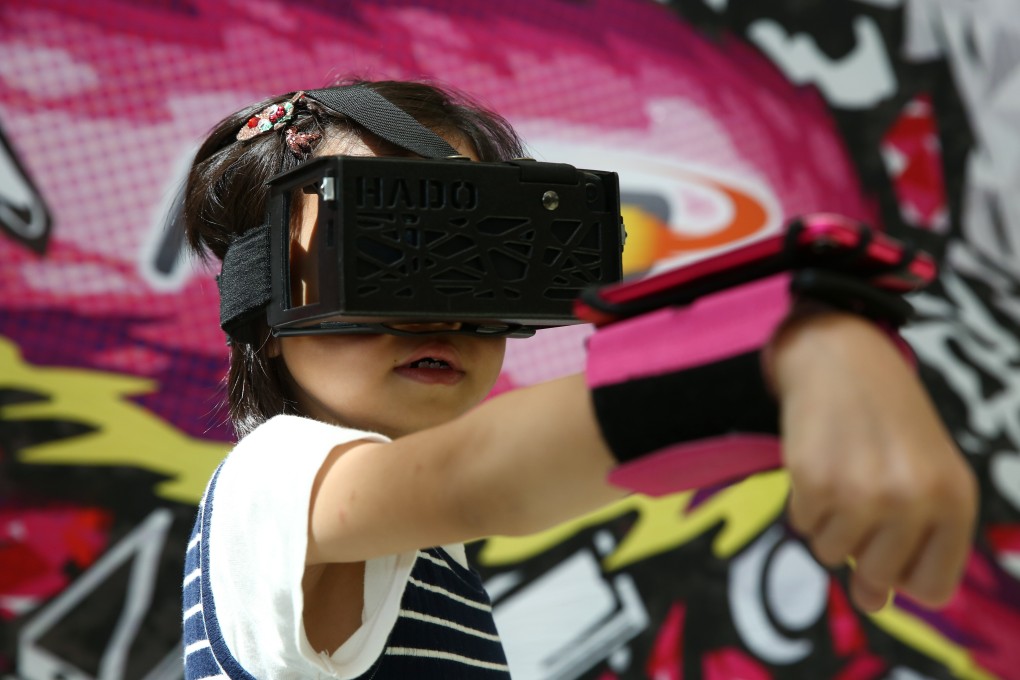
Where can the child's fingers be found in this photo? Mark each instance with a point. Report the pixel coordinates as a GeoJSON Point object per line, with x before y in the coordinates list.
{"type": "Point", "coordinates": [838, 536]}
{"type": "Point", "coordinates": [938, 567]}
{"type": "Point", "coordinates": [867, 596]}
{"type": "Point", "coordinates": [883, 557]}
{"type": "Point", "coordinates": [806, 515]}
{"type": "Point", "coordinates": [933, 576]}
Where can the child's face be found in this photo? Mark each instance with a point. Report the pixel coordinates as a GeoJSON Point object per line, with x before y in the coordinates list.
{"type": "Point", "coordinates": [380, 382]}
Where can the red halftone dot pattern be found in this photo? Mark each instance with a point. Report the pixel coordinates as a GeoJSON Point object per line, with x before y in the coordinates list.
{"type": "Point", "coordinates": [551, 353]}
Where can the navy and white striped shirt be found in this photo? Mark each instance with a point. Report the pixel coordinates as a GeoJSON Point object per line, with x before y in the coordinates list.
{"type": "Point", "coordinates": [444, 629]}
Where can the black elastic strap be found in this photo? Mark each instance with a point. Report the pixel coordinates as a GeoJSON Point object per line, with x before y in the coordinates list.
{"type": "Point", "coordinates": [790, 245]}
{"type": "Point", "coordinates": [849, 260]}
{"type": "Point", "coordinates": [245, 282]}
{"type": "Point", "coordinates": [377, 114]}
{"type": "Point", "coordinates": [640, 416]}
{"type": "Point", "coordinates": [852, 295]}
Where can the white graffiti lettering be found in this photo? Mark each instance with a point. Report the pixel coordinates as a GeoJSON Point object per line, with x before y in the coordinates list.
{"type": "Point", "coordinates": [859, 80]}
{"type": "Point", "coordinates": [979, 39]}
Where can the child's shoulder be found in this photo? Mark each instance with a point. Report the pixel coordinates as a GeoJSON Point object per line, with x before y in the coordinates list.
{"type": "Point", "coordinates": [297, 436]}
{"type": "Point", "coordinates": [285, 424]}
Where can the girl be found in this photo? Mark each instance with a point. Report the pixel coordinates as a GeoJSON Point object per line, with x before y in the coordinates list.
{"type": "Point", "coordinates": [329, 542]}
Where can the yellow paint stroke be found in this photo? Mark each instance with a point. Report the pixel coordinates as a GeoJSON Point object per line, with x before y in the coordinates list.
{"type": "Point", "coordinates": [916, 633]}
{"type": "Point", "coordinates": [744, 510]}
{"type": "Point", "coordinates": [126, 434]}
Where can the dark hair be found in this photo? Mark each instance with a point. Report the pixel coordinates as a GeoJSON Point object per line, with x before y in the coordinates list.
{"type": "Point", "coordinates": [226, 194]}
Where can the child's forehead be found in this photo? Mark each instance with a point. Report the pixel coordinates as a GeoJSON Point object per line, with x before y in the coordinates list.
{"type": "Point", "coordinates": [353, 145]}
{"type": "Point", "coordinates": [344, 145]}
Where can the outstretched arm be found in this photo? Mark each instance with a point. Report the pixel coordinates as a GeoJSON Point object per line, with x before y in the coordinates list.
{"type": "Point", "coordinates": [874, 474]}
{"type": "Point", "coordinates": [518, 463]}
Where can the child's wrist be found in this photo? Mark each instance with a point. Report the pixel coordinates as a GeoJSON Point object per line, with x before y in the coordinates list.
{"type": "Point", "coordinates": [816, 334]}
{"type": "Point", "coordinates": [803, 313]}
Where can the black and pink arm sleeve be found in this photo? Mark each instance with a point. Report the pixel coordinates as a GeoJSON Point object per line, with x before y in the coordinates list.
{"type": "Point", "coordinates": [679, 392]}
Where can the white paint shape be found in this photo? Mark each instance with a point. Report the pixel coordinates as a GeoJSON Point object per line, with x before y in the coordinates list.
{"type": "Point", "coordinates": [1005, 473]}
{"type": "Point", "coordinates": [568, 619]}
{"type": "Point", "coordinates": [796, 587]}
{"type": "Point", "coordinates": [747, 606]}
{"type": "Point", "coordinates": [499, 585]}
{"type": "Point", "coordinates": [859, 80]}
{"type": "Point", "coordinates": [1011, 563]}
{"type": "Point", "coordinates": [904, 673]}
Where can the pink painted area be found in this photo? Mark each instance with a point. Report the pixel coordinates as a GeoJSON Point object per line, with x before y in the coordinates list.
{"type": "Point", "coordinates": [670, 339]}
{"type": "Point", "coordinates": [913, 157]}
{"type": "Point", "coordinates": [1004, 538]}
{"type": "Point", "coordinates": [665, 662]}
{"type": "Point", "coordinates": [703, 463]}
{"type": "Point", "coordinates": [38, 545]}
{"type": "Point", "coordinates": [844, 624]}
{"type": "Point", "coordinates": [984, 616]}
{"type": "Point", "coordinates": [730, 663]}
{"type": "Point", "coordinates": [504, 383]}
{"type": "Point", "coordinates": [863, 667]}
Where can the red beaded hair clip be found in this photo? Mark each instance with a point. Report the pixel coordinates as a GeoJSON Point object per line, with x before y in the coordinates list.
{"type": "Point", "coordinates": [273, 117]}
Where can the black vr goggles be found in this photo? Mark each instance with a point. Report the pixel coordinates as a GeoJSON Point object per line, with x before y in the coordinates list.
{"type": "Point", "coordinates": [493, 248]}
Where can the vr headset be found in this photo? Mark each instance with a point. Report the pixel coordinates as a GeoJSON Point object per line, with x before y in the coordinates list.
{"type": "Point", "coordinates": [402, 244]}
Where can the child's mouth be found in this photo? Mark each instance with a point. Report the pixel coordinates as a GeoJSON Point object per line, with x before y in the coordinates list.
{"type": "Point", "coordinates": [429, 363]}
{"type": "Point", "coordinates": [430, 371]}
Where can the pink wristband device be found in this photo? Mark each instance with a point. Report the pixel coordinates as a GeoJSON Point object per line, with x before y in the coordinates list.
{"type": "Point", "coordinates": [673, 339]}
{"type": "Point", "coordinates": [675, 367]}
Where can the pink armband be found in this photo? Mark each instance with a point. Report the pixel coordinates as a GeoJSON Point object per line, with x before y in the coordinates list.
{"type": "Point", "coordinates": [675, 366]}
{"type": "Point", "coordinates": [680, 393]}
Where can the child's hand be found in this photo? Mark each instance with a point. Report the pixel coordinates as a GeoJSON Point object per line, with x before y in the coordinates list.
{"type": "Point", "coordinates": [875, 476]}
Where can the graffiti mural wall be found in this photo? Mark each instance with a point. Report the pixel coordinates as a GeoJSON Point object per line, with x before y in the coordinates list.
{"type": "Point", "coordinates": [723, 118]}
